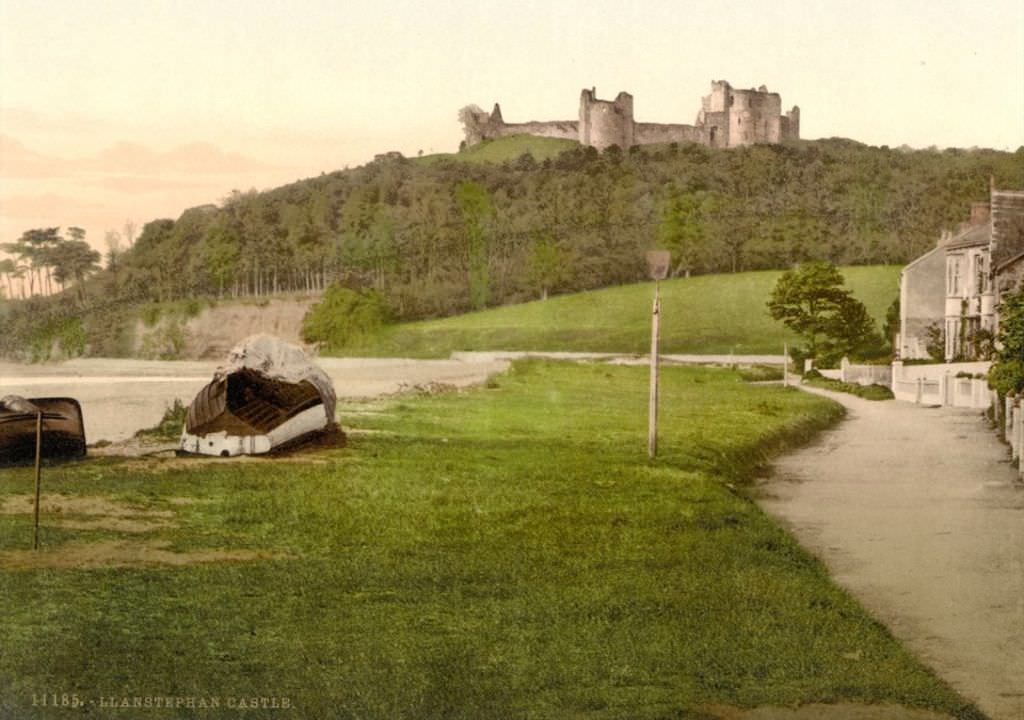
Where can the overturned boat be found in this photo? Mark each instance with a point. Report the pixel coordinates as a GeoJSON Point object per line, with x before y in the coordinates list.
{"type": "Point", "coordinates": [62, 433]}
{"type": "Point", "coordinates": [267, 395]}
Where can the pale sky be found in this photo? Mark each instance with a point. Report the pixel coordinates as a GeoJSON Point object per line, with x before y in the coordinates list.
{"type": "Point", "coordinates": [141, 108]}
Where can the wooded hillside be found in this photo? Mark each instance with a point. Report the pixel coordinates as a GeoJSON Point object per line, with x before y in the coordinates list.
{"type": "Point", "coordinates": [437, 236]}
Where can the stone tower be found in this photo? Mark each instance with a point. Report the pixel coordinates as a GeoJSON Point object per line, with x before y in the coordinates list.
{"type": "Point", "coordinates": [733, 118]}
{"type": "Point", "coordinates": [604, 123]}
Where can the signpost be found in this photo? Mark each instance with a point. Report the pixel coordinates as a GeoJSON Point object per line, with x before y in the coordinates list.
{"type": "Point", "coordinates": [657, 266]}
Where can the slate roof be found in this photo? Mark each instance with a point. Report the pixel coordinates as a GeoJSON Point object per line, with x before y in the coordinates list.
{"type": "Point", "coordinates": [971, 237]}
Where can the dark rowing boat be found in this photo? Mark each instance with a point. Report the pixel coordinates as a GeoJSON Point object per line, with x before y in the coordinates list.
{"type": "Point", "coordinates": [63, 433]}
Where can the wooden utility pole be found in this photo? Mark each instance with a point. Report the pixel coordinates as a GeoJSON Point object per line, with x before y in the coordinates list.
{"type": "Point", "coordinates": [657, 265]}
{"type": "Point", "coordinates": [652, 416]}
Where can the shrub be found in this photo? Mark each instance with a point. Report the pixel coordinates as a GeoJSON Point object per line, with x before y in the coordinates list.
{"type": "Point", "coordinates": [1007, 372]}
{"type": "Point", "coordinates": [150, 314]}
{"type": "Point", "coordinates": [344, 316]}
{"type": "Point", "coordinates": [868, 392]}
{"type": "Point", "coordinates": [761, 373]}
{"type": "Point", "coordinates": [170, 425]}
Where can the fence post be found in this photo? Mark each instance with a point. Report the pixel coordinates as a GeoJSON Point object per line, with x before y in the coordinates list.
{"type": "Point", "coordinates": [1008, 418]}
{"type": "Point", "coordinates": [920, 390]}
{"type": "Point", "coordinates": [1019, 436]}
{"type": "Point", "coordinates": [785, 364]}
{"type": "Point", "coordinates": [1015, 432]}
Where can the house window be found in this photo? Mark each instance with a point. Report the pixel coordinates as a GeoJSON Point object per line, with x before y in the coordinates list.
{"type": "Point", "coordinates": [952, 339]}
{"type": "Point", "coordinates": [982, 275]}
{"type": "Point", "coordinates": [953, 277]}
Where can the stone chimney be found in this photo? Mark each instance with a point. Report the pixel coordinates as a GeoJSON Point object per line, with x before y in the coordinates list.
{"type": "Point", "coordinates": [980, 213]}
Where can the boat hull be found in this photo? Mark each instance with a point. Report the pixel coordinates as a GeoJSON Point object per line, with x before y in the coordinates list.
{"type": "Point", "coordinates": [63, 432]}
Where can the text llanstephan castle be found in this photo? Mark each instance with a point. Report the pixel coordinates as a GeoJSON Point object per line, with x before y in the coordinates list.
{"type": "Point", "coordinates": [727, 118]}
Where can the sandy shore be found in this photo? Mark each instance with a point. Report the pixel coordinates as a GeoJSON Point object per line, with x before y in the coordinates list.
{"type": "Point", "coordinates": [119, 397]}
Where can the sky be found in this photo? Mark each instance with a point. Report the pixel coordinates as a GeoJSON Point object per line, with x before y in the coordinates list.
{"type": "Point", "coordinates": [135, 110]}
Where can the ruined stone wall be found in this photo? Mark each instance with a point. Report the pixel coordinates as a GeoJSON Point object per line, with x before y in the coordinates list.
{"type": "Point", "coordinates": [715, 127]}
{"type": "Point", "coordinates": [728, 118]}
{"type": "Point", "coordinates": [790, 124]}
{"type": "Point", "coordinates": [605, 123]}
{"type": "Point", "coordinates": [754, 117]}
{"type": "Point", "coordinates": [565, 130]}
{"type": "Point", "coordinates": [652, 133]}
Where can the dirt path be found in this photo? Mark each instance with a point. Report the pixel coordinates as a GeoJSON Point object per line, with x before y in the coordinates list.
{"type": "Point", "coordinates": [916, 511]}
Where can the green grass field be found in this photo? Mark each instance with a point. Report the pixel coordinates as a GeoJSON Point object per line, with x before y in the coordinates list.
{"type": "Point", "coordinates": [506, 149]}
{"type": "Point", "coordinates": [707, 314]}
{"type": "Point", "coordinates": [507, 552]}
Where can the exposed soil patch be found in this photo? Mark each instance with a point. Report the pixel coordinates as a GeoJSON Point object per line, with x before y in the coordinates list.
{"type": "Point", "coordinates": [839, 711]}
{"type": "Point", "coordinates": [101, 514]}
{"type": "Point", "coordinates": [119, 553]}
{"type": "Point", "coordinates": [134, 447]}
{"type": "Point", "coordinates": [66, 505]}
{"type": "Point", "coordinates": [125, 525]}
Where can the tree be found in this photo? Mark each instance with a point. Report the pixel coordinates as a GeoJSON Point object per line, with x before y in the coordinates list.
{"type": "Point", "coordinates": [473, 121]}
{"type": "Point", "coordinates": [1007, 372]}
{"type": "Point", "coordinates": [811, 301]}
{"type": "Point", "coordinates": [8, 268]}
{"type": "Point", "coordinates": [75, 260]}
{"type": "Point", "coordinates": [477, 212]}
{"type": "Point", "coordinates": [343, 316]}
{"type": "Point", "coordinates": [36, 248]}
{"type": "Point", "coordinates": [682, 230]}
{"type": "Point", "coordinates": [892, 323]}
{"type": "Point", "coordinates": [547, 266]}
{"type": "Point", "coordinates": [112, 239]}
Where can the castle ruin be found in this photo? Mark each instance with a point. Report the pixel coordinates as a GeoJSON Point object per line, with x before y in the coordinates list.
{"type": "Point", "coordinates": [728, 118]}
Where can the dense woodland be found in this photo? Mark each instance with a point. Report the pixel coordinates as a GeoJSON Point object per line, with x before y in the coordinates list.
{"type": "Point", "coordinates": [437, 236]}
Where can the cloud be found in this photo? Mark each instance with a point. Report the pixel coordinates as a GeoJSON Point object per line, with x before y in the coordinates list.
{"type": "Point", "coordinates": [16, 160]}
{"type": "Point", "coordinates": [140, 185]}
{"type": "Point", "coordinates": [127, 158]}
{"type": "Point", "coordinates": [194, 158]}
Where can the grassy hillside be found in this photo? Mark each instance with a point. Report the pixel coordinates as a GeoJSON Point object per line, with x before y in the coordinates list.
{"type": "Point", "coordinates": [707, 314]}
{"type": "Point", "coordinates": [506, 149]}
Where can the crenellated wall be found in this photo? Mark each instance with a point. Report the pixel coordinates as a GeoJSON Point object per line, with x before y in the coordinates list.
{"type": "Point", "coordinates": [728, 118]}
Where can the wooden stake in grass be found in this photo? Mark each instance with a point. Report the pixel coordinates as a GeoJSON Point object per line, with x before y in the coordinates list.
{"type": "Point", "coordinates": [39, 443]}
{"type": "Point", "coordinates": [657, 265]}
{"type": "Point", "coordinates": [21, 405]}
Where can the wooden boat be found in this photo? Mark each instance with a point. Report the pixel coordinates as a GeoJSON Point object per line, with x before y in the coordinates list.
{"type": "Point", "coordinates": [268, 394]}
{"type": "Point", "coordinates": [63, 432]}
